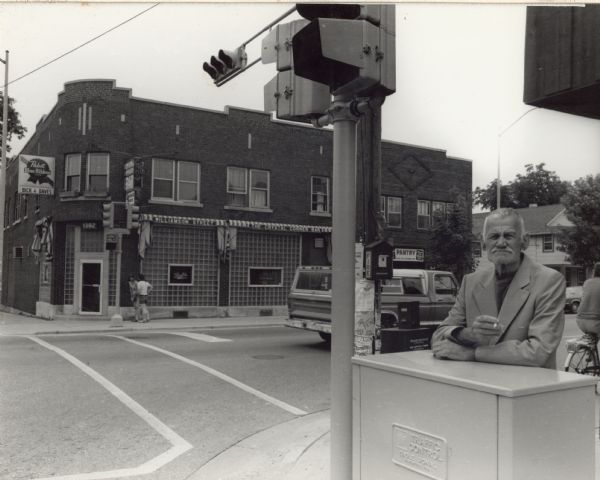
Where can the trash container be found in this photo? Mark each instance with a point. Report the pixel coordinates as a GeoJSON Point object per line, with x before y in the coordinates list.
{"type": "Point", "coordinates": [406, 339]}
{"type": "Point", "coordinates": [408, 315]}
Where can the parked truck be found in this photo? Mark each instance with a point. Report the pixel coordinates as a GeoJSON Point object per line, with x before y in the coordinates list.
{"type": "Point", "coordinates": [309, 301]}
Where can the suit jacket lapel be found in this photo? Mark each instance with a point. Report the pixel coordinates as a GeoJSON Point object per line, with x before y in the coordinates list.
{"type": "Point", "coordinates": [517, 294]}
{"type": "Point", "coordinates": [484, 295]}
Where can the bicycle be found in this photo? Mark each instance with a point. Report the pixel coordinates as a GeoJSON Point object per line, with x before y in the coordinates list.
{"type": "Point", "coordinates": [582, 355]}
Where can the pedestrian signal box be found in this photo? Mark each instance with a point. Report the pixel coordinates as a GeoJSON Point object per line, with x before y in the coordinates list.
{"type": "Point", "coordinates": [378, 260]}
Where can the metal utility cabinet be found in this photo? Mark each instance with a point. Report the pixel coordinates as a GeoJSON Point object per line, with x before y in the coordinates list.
{"type": "Point", "coordinates": [416, 417]}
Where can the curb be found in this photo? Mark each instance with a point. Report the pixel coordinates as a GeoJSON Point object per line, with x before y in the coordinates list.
{"type": "Point", "coordinates": [157, 328]}
{"type": "Point", "coordinates": [293, 450]}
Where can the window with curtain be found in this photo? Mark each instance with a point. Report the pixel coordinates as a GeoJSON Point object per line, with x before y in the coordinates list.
{"type": "Point", "coordinates": [163, 179]}
{"type": "Point", "coordinates": [392, 210]}
{"type": "Point", "coordinates": [423, 214]}
{"type": "Point", "coordinates": [259, 188]}
{"type": "Point", "coordinates": [438, 209]}
{"type": "Point", "coordinates": [237, 191]}
{"type": "Point", "coordinates": [189, 181]}
{"type": "Point", "coordinates": [319, 194]}
{"type": "Point", "coordinates": [97, 174]}
{"type": "Point", "coordinates": [73, 173]}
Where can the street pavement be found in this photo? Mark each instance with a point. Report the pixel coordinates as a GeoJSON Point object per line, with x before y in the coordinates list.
{"type": "Point", "coordinates": [294, 450]}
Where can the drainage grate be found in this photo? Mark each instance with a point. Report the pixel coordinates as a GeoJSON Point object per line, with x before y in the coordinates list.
{"type": "Point", "coordinates": [267, 357]}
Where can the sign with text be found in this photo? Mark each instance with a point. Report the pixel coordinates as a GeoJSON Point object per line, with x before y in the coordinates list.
{"type": "Point", "coordinates": [409, 255]}
{"type": "Point", "coordinates": [36, 175]}
{"type": "Point", "coordinates": [420, 452]}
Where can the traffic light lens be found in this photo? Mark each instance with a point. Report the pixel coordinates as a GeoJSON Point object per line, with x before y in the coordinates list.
{"type": "Point", "coordinates": [217, 64]}
{"type": "Point", "coordinates": [226, 59]}
{"type": "Point", "coordinates": [210, 70]}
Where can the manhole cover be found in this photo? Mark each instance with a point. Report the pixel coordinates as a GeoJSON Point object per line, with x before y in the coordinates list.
{"type": "Point", "coordinates": [267, 357]}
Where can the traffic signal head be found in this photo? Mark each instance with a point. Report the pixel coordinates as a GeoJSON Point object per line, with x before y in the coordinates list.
{"type": "Point", "coordinates": [225, 64]}
{"type": "Point", "coordinates": [277, 45]}
{"type": "Point", "coordinates": [133, 217]}
{"type": "Point", "coordinates": [349, 47]}
{"type": "Point", "coordinates": [107, 215]}
{"type": "Point", "coordinates": [296, 98]}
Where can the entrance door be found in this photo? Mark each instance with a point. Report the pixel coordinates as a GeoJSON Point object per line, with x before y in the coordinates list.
{"type": "Point", "coordinates": [91, 275]}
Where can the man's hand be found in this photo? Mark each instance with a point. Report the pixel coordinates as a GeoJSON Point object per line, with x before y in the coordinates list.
{"type": "Point", "coordinates": [453, 351]}
{"type": "Point", "coordinates": [484, 330]}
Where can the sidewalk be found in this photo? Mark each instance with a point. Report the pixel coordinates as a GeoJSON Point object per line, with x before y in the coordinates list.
{"type": "Point", "coordinates": [21, 324]}
{"type": "Point", "coordinates": [295, 450]}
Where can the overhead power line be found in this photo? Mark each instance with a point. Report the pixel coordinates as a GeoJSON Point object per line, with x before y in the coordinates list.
{"type": "Point", "coordinates": [84, 44]}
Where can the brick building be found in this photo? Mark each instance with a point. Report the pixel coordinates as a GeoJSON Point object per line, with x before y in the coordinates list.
{"type": "Point", "coordinates": [230, 203]}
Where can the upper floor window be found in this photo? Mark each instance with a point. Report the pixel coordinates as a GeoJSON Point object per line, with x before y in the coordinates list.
{"type": "Point", "coordinates": [548, 243]}
{"type": "Point", "coordinates": [423, 214]}
{"type": "Point", "coordinates": [188, 188]}
{"type": "Point", "coordinates": [319, 194]}
{"type": "Point", "coordinates": [175, 180]}
{"type": "Point", "coordinates": [438, 209]}
{"type": "Point", "coordinates": [392, 210]}
{"type": "Point", "coordinates": [163, 178]}
{"type": "Point", "coordinates": [73, 172]}
{"type": "Point", "coordinates": [97, 172]}
{"type": "Point", "coordinates": [248, 187]}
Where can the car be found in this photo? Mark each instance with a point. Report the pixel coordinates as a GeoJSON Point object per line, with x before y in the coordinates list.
{"type": "Point", "coordinates": [573, 298]}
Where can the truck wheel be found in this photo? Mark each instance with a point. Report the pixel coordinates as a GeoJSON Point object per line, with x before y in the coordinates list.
{"type": "Point", "coordinates": [325, 336]}
{"type": "Point", "coordinates": [574, 307]}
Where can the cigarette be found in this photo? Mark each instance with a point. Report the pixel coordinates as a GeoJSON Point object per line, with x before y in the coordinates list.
{"type": "Point", "coordinates": [495, 325]}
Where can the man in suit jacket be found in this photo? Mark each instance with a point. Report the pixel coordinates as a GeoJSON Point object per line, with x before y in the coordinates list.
{"type": "Point", "coordinates": [512, 313]}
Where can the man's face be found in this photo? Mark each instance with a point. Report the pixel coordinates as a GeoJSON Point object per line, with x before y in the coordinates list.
{"type": "Point", "coordinates": [504, 242]}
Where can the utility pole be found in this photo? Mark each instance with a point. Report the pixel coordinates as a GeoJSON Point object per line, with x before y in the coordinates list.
{"type": "Point", "coordinates": [4, 147]}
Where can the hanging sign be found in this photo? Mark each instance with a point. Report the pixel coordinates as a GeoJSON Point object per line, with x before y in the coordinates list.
{"type": "Point", "coordinates": [36, 175]}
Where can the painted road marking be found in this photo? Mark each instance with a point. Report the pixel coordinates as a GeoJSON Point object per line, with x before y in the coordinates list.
{"type": "Point", "coordinates": [201, 336]}
{"type": "Point", "coordinates": [263, 396]}
{"type": "Point", "coordinates": [179, 444]}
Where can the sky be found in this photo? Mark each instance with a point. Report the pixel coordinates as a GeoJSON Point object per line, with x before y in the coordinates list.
{"type": "Point", "coordinates": [459, 73]}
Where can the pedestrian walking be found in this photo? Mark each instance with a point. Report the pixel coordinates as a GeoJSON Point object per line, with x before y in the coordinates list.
{"type": "Point", "coordinates": [134, 297]}
{"type": "Point", "coordinates": [143, 290]}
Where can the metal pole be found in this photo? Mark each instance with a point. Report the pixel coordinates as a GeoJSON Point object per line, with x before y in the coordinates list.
{"type": "Point", "coordinates": [342, 302]}
{"type": "Point", "coordinates": [498, 181]}
{"type": "Point", "coordinates": [3, 159]}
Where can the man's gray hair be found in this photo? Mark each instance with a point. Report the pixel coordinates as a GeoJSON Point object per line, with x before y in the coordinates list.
{"type": "Point", "coordinates": [503, 213]}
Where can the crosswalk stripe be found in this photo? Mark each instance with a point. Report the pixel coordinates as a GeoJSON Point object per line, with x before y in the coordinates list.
{"type": "Point", "coordinates": [201, 336]}
{"type": "Point", "coordinates": [263, 396]}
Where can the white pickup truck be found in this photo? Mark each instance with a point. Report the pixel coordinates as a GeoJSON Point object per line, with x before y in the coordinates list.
{"type": "Point", "coordinates": [309, 301]}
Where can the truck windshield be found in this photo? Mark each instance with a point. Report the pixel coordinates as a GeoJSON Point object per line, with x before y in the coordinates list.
{"type": "Point", "coordinates": [314, 281]}
{"type": "Point", "coordinates": [404, 285]}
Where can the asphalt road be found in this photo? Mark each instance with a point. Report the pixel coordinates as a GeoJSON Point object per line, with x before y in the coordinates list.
{"type": "Point", "coordinates": [149, 405]}
{"type": "Point", "coordinates": [153, 405]}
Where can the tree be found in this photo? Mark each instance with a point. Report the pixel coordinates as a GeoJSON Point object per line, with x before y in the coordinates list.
{"type": "Point", "coordinates": [14, 122]}
{"type": "Point", "coordinates": [486, 197]}
{"type": "Point", "coordinates": [451, 239]}
{"type": "Point", "coordinates": [582, 205]}
{"type": "Point", "coordinates": [538, 185]}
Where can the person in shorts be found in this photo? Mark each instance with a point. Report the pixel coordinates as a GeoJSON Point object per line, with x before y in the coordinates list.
{"type": "Point", "coordinates": [143, 290]}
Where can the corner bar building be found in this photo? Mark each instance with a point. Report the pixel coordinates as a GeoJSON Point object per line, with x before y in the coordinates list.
{"type": "Point", "coordinates": [230, 203]}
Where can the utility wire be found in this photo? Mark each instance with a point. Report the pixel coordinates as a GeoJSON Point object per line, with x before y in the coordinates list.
{"type": "Point", "coordinates": [83, 44]}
